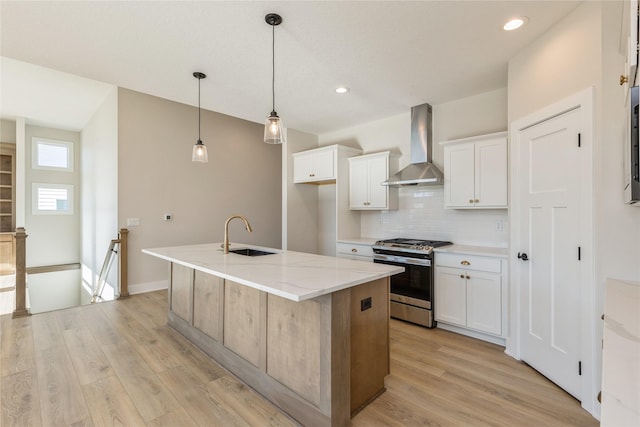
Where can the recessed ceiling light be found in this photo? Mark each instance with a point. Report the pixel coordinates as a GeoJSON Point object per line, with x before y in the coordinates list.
{"type": "Point", "coordinates": [515, 23]}
{"type": "Point", "coordinates": [342, 89]}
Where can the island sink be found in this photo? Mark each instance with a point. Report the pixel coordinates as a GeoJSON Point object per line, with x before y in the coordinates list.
{"type": "Point", "coordinates": [250, 252]}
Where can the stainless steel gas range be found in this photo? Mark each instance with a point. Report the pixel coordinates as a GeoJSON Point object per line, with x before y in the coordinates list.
{"type": "Point", "coordinates": [411, 291]}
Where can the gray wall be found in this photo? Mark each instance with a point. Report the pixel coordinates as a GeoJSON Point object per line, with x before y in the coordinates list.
{"type": "Point", "coordinates": [156, 176]}
{"type": "Point", "coordinates": [8, 131]}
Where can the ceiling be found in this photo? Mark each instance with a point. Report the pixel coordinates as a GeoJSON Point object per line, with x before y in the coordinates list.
{"type": "Point", "coordinates": [391, 54]}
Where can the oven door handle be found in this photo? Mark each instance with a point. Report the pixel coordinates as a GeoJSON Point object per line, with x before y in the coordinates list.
{"type": "Point", "coordinates": [402, 260]}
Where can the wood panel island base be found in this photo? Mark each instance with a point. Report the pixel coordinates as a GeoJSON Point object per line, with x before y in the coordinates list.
{"type": "Point", "coordinates": [312, 337]}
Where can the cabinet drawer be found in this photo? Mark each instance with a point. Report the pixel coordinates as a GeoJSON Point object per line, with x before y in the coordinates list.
{"type": "Point", "coordinates": [468, 262]}
{"type": "Point", "coordinates": [354, 249]}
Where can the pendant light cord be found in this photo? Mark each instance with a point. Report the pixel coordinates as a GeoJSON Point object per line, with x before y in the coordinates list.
{"type": "Point", "coordinates": [199, 79]}
{"type": "Point", "coordinates": [273, 67]}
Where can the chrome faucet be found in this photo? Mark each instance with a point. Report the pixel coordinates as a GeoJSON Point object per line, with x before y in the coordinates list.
{"type": "Point", "coordinates": [225, 243]}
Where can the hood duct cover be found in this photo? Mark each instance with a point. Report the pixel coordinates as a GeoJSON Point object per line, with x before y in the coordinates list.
{"type": "Point", "coordinates": [421, 171]}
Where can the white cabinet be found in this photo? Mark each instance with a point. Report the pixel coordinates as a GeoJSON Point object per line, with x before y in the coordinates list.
{"type": "Point", "coordinates": [355, 251]}
{"type": "Point", "coordinates": [316, 165]}
{"type": "Point", "coordinates": [475, 172]}
{"type": "Point", "coordinates": [468, 292]}
{"type": "Point", "coordinates": [366, 175]}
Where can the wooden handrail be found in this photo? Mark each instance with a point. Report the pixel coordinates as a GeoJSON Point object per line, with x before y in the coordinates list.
{"type": "Point", "coordinates": [21, 269]}
{"type": "Point", "coordinates": [123, 265]}
{"type": "Point", "coordinates": [21, 273]}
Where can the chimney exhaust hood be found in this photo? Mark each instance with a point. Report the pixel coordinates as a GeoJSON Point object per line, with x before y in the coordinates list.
{"type": "Point", "coordinates": [421, 171]}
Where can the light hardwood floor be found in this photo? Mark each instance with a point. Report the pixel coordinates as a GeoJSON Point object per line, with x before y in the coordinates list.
{"type": "Point", "coordinates": [117, 363]}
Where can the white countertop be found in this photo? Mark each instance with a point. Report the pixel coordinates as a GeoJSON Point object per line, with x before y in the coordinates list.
{"type": "Point", "coordinates": [474, 250]}
{"type": "Point", "coordinates": [621, 354]}
{"type": "Point", "coordinates": [293, 275]}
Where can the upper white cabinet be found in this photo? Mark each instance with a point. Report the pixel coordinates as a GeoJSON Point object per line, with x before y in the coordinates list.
{"type": "Point", "coordinates": [366, 175]}
{"type": "Point", "coordinates": [320, 164]}
{"type": "Point", "coordinates": [475, 172]}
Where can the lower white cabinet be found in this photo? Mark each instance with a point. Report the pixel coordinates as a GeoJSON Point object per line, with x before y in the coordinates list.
{"type": "Point", "coordinates": [356, 251]}
{"type": "Point", "coordinates": [468, 292]}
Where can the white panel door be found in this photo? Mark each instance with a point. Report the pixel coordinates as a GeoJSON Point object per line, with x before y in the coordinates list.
{"type": "Point", "coordinates": [491, 173]}
{"type": "Point", "coordinates": [450, 296]}
{"type": "Point", "coordinates": [302, 167]}
{"type": "Point", "coordinates": [484, 302]}
{"type": "Point", "coordinates": [459, 176]}
{"type": "Point", "coordinates": [378, 173]}
{"type": "Point", "coordinates": [549, 235]}
{"type": "Point", "coordinates": [323, 165]}
{"type": "Point", "coordinates": [358, 183]}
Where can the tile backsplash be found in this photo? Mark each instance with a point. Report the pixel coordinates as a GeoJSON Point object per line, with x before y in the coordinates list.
{"type": "Point", "coordinates": [422, 215]}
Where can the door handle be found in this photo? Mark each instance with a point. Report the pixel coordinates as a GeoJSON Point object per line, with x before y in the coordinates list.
{"type": "Point", "coordinates": [523, 256]}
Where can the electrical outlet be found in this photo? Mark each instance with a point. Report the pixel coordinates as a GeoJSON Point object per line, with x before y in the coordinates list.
{"type": "Point", "coordinates": [499, 225]}
{"type": "Point", "coordinates": [133, 222]}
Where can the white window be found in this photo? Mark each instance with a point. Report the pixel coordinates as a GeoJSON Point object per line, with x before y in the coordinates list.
{"type": "Point", "coordinates": [51, 154]}
{"type": "Point", "coordinates": [51, 199]}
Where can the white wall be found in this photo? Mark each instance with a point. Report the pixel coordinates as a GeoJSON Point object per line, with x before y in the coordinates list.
{"type": "Point", "coordinates": [156, 176]}
{"type": "Point", "coordinates": [421, 211]}
{"type": "Point", "coordinates": [53, 239]}
{"type": "Point", "coordinates": [582, 51]}
{"type": "Point", "coordinates": [302, 203]}
{"type": "Point", "coordinates": [100, 190]}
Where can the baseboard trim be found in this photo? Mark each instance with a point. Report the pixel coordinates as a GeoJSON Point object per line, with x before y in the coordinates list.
{"type": "Point", "coordinates": [473, 334]}
{"type": "Point", "coordinates": [141, 288]}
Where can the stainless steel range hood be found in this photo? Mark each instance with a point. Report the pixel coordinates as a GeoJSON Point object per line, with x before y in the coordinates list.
{"type": "Point", "coordinates": [421, 171]}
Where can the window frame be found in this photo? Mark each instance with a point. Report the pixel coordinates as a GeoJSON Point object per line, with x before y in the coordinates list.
{"type": "Point", "coordinates": [34, 198]}
{"type": "Point", "coordinates": [56, 142]}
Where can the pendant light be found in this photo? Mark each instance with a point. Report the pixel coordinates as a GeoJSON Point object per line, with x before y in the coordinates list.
{"type": "Point", "coordinates": [273, 129]}
{"type": "Point", "coordinates": [199, 153]}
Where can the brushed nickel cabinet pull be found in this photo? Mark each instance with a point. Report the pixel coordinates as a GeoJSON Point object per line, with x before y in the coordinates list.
{"type": "Point", "coordinates": [465, 262]}
{"type": "Point", "coordinates": [477, 200]}
{"type": "Point", "coordinates": [354, 250]}
{"type": "Point", "coordinates": [462, 276]}
{"type": "Point", "coordinates": [470, 200]}
{"type": "Point", "coordinates": [468, 277]}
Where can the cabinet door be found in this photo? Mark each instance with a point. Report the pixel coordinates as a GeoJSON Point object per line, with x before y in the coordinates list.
{"type": "Point", "coordinates": [182, 291]}
{"type": "Point", "coordinates": [378, 173]}
{"type": "Point", "coordinates": [303, 167]}
{"type": "Point", "coordinates": [459, 176]}
{"type": "Point", "coordinates": [491, 173]}
{"type": "Point", "coordinates": [484, 302]}
{"type": "Point", "coordinates": [208, 297]}
{"type": "Point", "coordinates": [358, 184]}
{"type": "Point", "coordinates": [323, 167]}
{"type": "Point", "coordinates": [450, 296]}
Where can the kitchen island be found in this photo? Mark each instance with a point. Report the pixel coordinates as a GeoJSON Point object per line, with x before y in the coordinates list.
{"type": "Point", "coordinates": [308, 332]}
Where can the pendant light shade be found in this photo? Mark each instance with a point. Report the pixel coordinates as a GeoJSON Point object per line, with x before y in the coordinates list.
{"type": "Point", "coordinates": [273, 129]}
{"type": "Point", "coordinates": [199, 152]}
{"type": "Point", "coordinates": [273, 132]}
